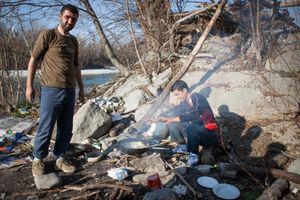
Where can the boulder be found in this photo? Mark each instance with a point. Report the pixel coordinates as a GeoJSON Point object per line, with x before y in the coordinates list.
{"type": "Point", "coordinates": [47, 181]}
{"type": "Point", "coordinates": [133, 82]}
{"type": "Point", "coordinates": [134, 99]}
{"type": "Point", "coordinates": [90, 122]}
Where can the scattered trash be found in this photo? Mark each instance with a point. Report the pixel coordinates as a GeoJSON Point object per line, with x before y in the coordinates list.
{"type": "Point", "coordinates": [23, 111]}
{"type": "Point", "coordinates": [9, 139]}
{"type": "Point", "coordinates": [117, 173]}
{"type": "Point", "coordinates": [2, 195]}
{"type": "Point", "coordinates": [9, 161]}
{"type": "Point", "coordinates": [109, 105]}
{"type": "Point", "coordinates": [180, 189]}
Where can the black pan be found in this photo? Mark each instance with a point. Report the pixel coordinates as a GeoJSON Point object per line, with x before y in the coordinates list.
{"type": "Point", "coordinates": [135, 146]}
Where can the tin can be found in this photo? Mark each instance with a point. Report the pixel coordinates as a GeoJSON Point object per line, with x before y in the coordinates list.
{"type": "Point", "coordinates": [153, 181]}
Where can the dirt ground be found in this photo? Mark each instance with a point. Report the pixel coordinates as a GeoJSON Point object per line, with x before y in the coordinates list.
{"type": "Point", "coordinates": [18, 183]}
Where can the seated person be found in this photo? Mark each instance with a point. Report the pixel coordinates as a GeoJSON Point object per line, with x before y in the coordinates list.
{"type": "Point", "coordinates": [193, 123]}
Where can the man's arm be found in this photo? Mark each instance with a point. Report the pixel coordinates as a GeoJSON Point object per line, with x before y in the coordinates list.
{"type": "Point", "coordinates": [80, 84]}
{"type": "Point", "coordinates": [32, 66]}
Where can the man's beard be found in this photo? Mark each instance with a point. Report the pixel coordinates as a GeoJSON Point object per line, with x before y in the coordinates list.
{"type": "Point", "coordinates": [67, 27]}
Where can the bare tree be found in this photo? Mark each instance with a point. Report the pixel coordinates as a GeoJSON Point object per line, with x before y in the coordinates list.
{"type": "Point", "coordinates": [108, 49]}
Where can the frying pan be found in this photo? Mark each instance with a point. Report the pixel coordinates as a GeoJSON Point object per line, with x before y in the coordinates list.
{"type": "Point", "coordinates": [135, 146]}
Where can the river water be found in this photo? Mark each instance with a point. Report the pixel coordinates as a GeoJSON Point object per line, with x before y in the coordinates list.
{"type": "Point", "coordinates": [90, 78]}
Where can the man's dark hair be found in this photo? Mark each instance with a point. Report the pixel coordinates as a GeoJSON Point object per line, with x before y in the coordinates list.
{"type": "Point", "coordinates": [179, 85]}
{"type": "Point", "coordinates": [69, 7]}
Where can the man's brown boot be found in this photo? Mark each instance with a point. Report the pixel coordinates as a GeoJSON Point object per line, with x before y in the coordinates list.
{"type": "Point", "coordinates": [65, 166]}
{"type": "Point", "coordinates": [38, 168]}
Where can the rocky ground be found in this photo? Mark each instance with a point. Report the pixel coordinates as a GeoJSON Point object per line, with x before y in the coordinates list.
{"type": "Point", "coordinates": [91, 180]}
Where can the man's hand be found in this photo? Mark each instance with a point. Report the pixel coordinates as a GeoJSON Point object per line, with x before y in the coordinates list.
{"type": "Point", "coordinates": [169, 119]}
{"type": "Point", "coordinates": [81, 98]}
{"type": "Point", "coordinates": [30, 93]}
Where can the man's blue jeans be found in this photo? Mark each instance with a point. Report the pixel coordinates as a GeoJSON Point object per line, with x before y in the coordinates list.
{"type": "Point", "coordinates": [57, 104]}
{"type": "Point", "coordinates": [193, 135]}
{"type": "Point", "coordinates": [199, 135]}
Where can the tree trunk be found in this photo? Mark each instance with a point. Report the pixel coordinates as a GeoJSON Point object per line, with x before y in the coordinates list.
{"type": "Point", "coordinates": [185, 67]}
{"type": "Point", "coordinates": [108, 49]}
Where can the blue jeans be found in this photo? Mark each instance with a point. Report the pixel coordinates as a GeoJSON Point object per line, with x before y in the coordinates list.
{"type": "Point", "coordinates": [177, 131]}
{"type": "Point", "coordinates": [57, 104]}
{"type": "Point", "coordinates": [199, 135]}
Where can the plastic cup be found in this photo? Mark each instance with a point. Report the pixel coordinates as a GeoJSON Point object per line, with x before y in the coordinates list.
{"type": "Point", "coordinates": [153, 181]}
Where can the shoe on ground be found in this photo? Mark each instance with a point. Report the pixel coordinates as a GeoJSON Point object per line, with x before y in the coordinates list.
{"type": "Point", "coordinates": [181, 148]}
{"type": "Point", "coordinates": [193, 160]}
{"type": "Point", "coordinates": [38, 168]}
{"type": "Point", "coordinates": [65, 166]}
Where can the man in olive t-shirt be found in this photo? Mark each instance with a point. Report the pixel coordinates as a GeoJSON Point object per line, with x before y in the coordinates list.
{"type": "Point", "coordinates": [57, 50]}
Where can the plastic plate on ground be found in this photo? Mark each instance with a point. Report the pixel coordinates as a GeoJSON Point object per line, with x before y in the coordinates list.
{"type": "Point", "coordinates": [226, 191]}
{"type": "Point", "coordinates": [207, 182]}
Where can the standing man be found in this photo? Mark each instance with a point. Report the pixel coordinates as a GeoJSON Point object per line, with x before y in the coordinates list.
{"type": "Point", "coordinates": [57, 51]}
{"type": "Point", "coordinates": [194, 124]}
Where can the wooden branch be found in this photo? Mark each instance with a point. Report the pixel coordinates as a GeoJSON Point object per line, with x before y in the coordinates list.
{"type": "Point", "coordinates": [76, 188]}
{"type": "Point", "coordinates": [134, 41]}
{"type": "Point", "coordinates": [185, 67]}
{"type": "Point", "coordinates": [83, 178]}
{"type": "Point", "coordinates": [195, 193]}
{"type": "Point", "coordinates": [289, 3]}
{"type": "Point", "coordinates": [97, 186]}
{"type": "Point", "coordinates": [84, 196]}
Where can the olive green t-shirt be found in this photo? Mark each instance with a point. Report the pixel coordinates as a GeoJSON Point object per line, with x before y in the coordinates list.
{"type": "Point", "coordinates": [59, 55]}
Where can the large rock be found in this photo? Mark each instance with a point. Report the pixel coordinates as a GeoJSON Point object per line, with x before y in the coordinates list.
{"type": "Point", "coordinates": [152, 163]}
{"type": "Point", "coordinates": [47, 181]}
{"type": "Point", "coordinates": [133, 82]}
{"type": "Point", "coordinates": [159, 80]}
{"type": "Point", "coordinates": [288, 61]}
{"type": "Point", "coordinates": [134, 99]}
{"type": "Point", "coordinates": [90, 122]}
{"type": "Point", "coordinates": [254, 95]}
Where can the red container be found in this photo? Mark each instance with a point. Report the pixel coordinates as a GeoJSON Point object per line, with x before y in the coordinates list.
{"type": "Point", "coordinates": [154, 181]}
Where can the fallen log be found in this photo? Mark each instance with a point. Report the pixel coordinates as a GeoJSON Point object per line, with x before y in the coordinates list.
{"type": "Point", "coordinates": [262, 172]}
{"type": "Point", "coordinates": [275, 191]}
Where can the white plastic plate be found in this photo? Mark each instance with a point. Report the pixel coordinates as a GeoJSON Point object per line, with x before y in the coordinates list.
{"type": "Point", "coordinates": [207, 182]}
{"type": "Point", "coordinates": [226, 191]}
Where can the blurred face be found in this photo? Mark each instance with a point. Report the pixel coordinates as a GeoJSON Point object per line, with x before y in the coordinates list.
{"type": "Point", "coordinates": [180, 95]}
{"type": "Point", "coordinates": [68, 20]}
